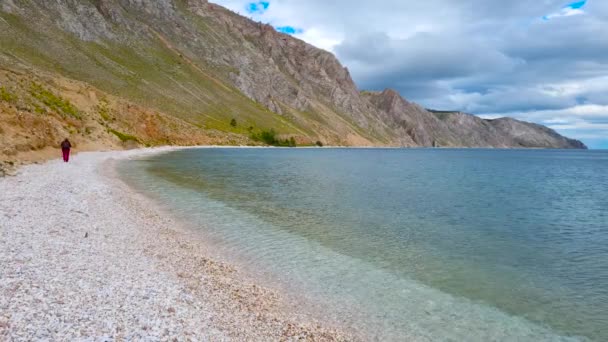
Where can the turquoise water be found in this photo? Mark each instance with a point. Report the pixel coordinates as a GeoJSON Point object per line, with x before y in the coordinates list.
{"type": "Point", "coordinates": [422, 243]}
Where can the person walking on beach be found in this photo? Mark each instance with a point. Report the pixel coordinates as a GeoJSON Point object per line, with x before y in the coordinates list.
{"type": "Point", "coordinates": [65, 149]}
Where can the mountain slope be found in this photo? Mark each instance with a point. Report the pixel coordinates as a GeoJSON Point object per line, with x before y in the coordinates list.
{"type": "Point", "coordinates": [198, 66]}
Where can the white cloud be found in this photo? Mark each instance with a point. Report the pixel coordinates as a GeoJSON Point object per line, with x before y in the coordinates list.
{"type": "Point", "coordinates": [491, 116]}
{"type": "Point", "coordinates": [562, 115]}
{"type": "Point", "coordinates": [491, 57]}
{"type": "Point", "coordinates": [566, 12]}
{"type": "Point", "coordinates": [320, 39]}
{"type": "Point", "coordinates": [580, 122]}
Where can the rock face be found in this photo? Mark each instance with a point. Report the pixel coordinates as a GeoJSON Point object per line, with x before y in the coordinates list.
{"type": "Point", "coordinates": [412, 122]}
{"type": "Point", "coordinates": [206, 65]}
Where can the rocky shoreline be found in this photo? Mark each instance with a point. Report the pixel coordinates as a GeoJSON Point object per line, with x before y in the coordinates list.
{"type": "Point", "coordinates": [86, 258]}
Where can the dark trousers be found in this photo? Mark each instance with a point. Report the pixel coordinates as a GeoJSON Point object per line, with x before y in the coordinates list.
{"type": "Point", "coordinates": [66, 154]}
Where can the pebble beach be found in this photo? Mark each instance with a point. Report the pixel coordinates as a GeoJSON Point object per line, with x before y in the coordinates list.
{"type": "Point", "coordinates": [86, 258]}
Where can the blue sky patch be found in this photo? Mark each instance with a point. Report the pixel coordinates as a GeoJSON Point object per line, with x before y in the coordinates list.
{"type": "Point", "coordinates": [289, 30]}
{"type": "Point", "coordinates": [573, 8]}
{"type": "Point", "coordinates": [577, 5]}
{"type": "Point", "coordinates": [258, 7]}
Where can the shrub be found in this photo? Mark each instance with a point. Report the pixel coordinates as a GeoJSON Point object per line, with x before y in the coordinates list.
{"type": "Point", "coordinates": [318, 143]}
{"type": "Point", "coordinates": [269, 137]}
{"type": "Point", "coordinates": [233, 122]}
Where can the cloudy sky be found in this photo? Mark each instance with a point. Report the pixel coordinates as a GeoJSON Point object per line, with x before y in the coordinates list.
{"type": "Point", "coordinates": [544, 61]}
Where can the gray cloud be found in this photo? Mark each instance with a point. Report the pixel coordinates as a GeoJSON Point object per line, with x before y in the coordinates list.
{"type": "Point", "coordinates": [488, 57]}
{"type": "Point", "coordinates": [422, 57]}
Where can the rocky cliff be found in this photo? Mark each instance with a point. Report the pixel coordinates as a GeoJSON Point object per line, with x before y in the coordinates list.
{"type": "Point", "coordinates": [178, 71]}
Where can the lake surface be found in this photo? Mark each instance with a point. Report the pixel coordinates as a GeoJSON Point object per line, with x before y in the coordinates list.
{"type": "Point", "coordinates": [430, 244]}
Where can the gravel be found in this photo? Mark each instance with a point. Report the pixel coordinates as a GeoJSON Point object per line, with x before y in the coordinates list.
{"type": "Point", "coordinates": [86, 258]}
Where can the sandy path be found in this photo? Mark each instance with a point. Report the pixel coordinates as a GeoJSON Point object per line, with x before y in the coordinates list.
{"type": "Point", "coordinates": [135, 276]}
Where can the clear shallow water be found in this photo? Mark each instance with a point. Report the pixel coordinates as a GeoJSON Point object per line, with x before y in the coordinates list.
{"type": "Point", "coordinates": [431, 244]}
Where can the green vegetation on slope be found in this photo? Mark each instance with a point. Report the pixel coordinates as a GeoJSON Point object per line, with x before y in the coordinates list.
{"type": "Point", "coordinates": [149, 72]}
{"type": "Point", "coordinates": [123, 136]}
{"type": "Point", "coordinates": [269, 137]}
{"type": "Point", "coordinates": [6, 96]}
{"type": "Point", "coordinates": [186, 66]}
{"type": "Point", "coordinates": [54, 102]}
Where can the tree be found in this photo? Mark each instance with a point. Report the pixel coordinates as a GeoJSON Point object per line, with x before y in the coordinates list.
{"type": "Point", "coordinates": [233, 122]}
{"type": "Point", "coordinates": [269, 137]}
{"type": "Point", "coordinates": [320, 144]}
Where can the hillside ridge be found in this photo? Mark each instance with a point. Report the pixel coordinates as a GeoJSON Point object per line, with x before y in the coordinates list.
{"type": "Point", "coordinates": [199, 65]}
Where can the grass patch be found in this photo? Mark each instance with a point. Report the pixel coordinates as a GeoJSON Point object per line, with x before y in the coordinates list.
{"type": "Point", "coordinates": [104, 113]}
{"type": "Point", "coordinates": [54, 102]}
{"type": "Point", "coordinates": [6, 95]}
{"type": "Point", "coordinates": [38, 109]}
{"type": "Point", "coordinates": [104, 110]}
{"type": "Point", "coordinates": [123, 136]}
